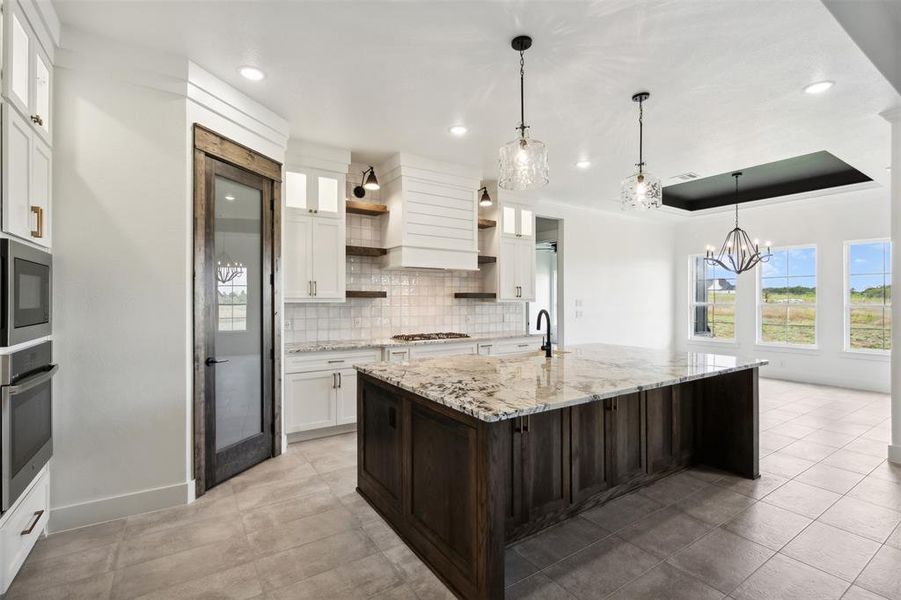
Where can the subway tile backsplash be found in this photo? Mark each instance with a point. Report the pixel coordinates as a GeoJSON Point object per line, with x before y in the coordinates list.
{"type": "Point", "coordinates": [418, 300]}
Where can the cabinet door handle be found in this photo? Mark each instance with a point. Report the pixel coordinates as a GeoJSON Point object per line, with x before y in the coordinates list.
{"type": "Point", "coordinates": [37, 517]}
{"type": "Point", "coordinates": [334, 381]}
{"type": "Point", "coordinates": [340, 382]}
{"type": "Point", "coordinates": [332, 362]}
{"type": "Point", "coordinates": [315, 288]}
{"type": "Point", "coordinates": [37, 120]}
{"type": "Point", "coordinates": [39, 214]}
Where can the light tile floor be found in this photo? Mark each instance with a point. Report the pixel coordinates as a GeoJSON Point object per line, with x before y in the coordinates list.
{"type": "Point", "coordinates": [823, 522]}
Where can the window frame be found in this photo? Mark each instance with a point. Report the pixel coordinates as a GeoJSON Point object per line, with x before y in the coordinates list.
{"type": "Point", "coordinates": [759, 341]}
{"type": "Point", "coordinates": [846, 301]}
{"type": "Point", "coordinates": [245, 304]}
{"type": "Point", "coordinates": [693, 303]}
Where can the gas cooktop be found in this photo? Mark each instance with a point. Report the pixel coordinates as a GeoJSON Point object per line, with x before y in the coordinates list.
{"type": "Point", "coordinates": [417, 337]}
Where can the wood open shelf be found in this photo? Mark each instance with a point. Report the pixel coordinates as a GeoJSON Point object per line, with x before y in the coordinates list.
{"type": "Point", "coordinates": [476, 295]}
{"type": "Point", "coordinates": [365, 294]}
{"type": "Point", "coordinates": [371, 209]}
{"type": "Point", "coordinates": [487, 223]}
{"type": "Point", "coordinates": [484, 260]}
{"type": "Point", "coordinates": [365, 251]}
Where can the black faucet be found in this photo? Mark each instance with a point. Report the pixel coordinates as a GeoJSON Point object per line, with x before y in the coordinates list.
{"type": "Point", "coordinates": [547, 345]}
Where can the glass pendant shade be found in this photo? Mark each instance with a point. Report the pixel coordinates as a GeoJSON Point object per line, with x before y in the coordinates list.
{"type": "Point", "coordinates": [522, 164]}
{"type": "Point", "coordinates": [641, 191]}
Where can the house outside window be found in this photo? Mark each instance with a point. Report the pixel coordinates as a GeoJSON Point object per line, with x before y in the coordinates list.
{"type": "Point", "coordinates": [868, 296]}
{"type": "Point", "coordinates": [712, 301]}
{"type": "Point", "coordinates": [787, 303]}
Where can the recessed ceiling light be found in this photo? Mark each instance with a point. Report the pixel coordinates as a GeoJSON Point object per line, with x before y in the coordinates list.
{"type": "Point", "coordinates": [229, 197]}
{"type": "Point", "coordinates": [888, 168]}
{"type": "Point", "coordinates": [819, 87]}
{"type": "Point", "coordinates": [583, 164]}
{"type": "Point", "coordinates": [251, 73]}
{"type": "Point", "coordinates": [458, 130]}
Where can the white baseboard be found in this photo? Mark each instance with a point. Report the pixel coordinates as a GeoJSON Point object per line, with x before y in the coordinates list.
{"type": "Point", "coordinates": [117, 507]}
{"type": "Point", "coordinates": [894, 454]}
{"type": "Point", "coordinates": [867, 385]}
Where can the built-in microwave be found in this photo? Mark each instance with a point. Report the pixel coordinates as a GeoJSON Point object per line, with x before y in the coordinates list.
{"type": "Point", "coordinates": [26, 426]}
{"type": "Point", "coordinates": [26, 279]}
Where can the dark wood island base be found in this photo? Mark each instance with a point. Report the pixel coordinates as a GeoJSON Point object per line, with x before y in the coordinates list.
{"type": "Point", "coordinates": [458, 489]}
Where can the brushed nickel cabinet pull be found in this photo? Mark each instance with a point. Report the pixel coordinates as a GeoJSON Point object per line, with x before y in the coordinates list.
{"type": "Point", "coordinates": [315, 288]}
{"type": "Point", "coordinates": [334, 381]}
{"type": "Point", "coordinates": [337, 360]}
{"type": "Point", "coordinates": [39, 213]}
{"type": "Point", "coordinates": [340, 382]}
{"type": "Point", "coordinates": [37, 517]}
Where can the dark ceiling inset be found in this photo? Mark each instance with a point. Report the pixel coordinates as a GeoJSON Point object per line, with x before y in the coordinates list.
{"type": "Point", "coordinates": [808, 173]}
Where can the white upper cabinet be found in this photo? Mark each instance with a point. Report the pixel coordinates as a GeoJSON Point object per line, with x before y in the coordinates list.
{"type": "Point", "coordinates": [314, 236]}
{"type": "Point", "coordinates": [517, 221]}
{"type": "Point", "coordinates": [316, 192]}
{"type": "Point", "coordinates": [27, 71]}
{"type": "Point", "coordinates": [26, 185]}
{"type": "Point", "coordinates": [516, 269]}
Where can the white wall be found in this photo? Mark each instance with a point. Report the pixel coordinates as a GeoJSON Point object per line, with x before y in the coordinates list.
{"type": "Point", "coordinates": [619, 268]}
{"type": "Point", "coordinates": [119, 231]}
{"type": "Point", "coordinates": [123, 240]}
{"type": "Point", "coordinates": [826, 221]}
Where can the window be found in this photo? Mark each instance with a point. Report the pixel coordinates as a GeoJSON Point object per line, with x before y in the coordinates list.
{"type": "Point", "coordinates": [232, 302]}
{"type": "Point", "coordinates": [868, 301]}
{"type": "Point", "coordinates": [713, 301]}
{"type": "Point", "coordinates": [787, 306]}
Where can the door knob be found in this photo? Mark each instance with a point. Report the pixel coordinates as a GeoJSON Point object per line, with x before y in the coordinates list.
{"type": "Point", "coordinates": [212, 361]}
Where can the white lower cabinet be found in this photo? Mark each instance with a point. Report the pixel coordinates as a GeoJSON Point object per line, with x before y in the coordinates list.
{"type": "Point", "coordinates": [310, 401]}
{"type": "Point", "coordinates": [321, 389]}
{"type": "Point", "coordinates": [22, 526]}
{"type": "Point", "coordinates": [513, 346]}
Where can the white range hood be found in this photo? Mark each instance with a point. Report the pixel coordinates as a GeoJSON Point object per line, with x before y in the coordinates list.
{"type": "Point", "coordinates": [432, 220]}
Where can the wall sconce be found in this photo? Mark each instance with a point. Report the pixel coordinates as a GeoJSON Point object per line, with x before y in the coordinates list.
{"type": "Point", "coordinates": [370, 182]}
{"type": "Point", "coordinates": [484, 199]}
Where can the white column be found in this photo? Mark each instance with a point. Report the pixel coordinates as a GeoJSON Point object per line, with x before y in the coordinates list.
{"type": "Point", "coordinates": [893, 116]}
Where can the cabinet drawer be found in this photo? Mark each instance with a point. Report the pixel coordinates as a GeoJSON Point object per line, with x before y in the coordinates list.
{"type": "Point", "coordinates": [29, 516]}
{"type": "Point", "coordinates": [317, 361]}
{"type": "Point", "coordinates": [516, 346]}
{"type": "Point", "coordinates": [396, 354]}
{"type": "Point", "coordinates": [427, 351]}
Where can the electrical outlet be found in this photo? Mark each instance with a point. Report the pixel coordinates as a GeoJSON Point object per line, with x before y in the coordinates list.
{"type": "Point", "coordinates": [578, 303]}
{"type": "Point", "coordinates": [289, 325]}
{"type": "Point", "coordinates": [578, 314]}
{"type": "Point", "coordinates": [358, 322]}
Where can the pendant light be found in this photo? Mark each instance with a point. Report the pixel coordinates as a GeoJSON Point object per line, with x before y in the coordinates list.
{"type": "Point", "coordinates": [522, 163]}
{"type": "Point", "coordinates": [738, 253]}
{"type": "Point", "coordinates": [641, 190]}
{"type": "Point", "coordinates": [370, 182]}
{"type": "Point", "coordinates": [484, 198]}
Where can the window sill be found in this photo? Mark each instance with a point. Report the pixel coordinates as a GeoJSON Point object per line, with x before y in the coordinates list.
{"type": "Point", "coordinates": [790, 348]}
{"type": "Point", "coordinates": [874, 355]}
{"type": "Point", "coordinates": [713, 342]}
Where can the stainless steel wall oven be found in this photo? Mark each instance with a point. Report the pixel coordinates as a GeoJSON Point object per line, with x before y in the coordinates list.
{"type": "Point", "coordinates": [26, 431]}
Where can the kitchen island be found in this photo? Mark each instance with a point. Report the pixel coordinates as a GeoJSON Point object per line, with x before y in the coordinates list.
{"type": "Point", "coordinates": [464, 455]}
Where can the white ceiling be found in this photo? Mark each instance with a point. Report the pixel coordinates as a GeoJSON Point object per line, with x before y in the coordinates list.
{"type": "Point", "coordinates": [726, 78]}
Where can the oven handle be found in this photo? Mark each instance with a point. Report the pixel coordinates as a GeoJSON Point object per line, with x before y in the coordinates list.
{"type": "Point", "coordinates": [33, 381]}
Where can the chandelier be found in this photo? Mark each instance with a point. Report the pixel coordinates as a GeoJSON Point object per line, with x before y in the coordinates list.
{"type": "Point", "coordinates": [641, 190]}
{"type": "Point", "coordinates": [522, 163]}
{"type": "Point", "coordinates": [738, 253]}
{"type": "Point", "coordinates": [227, 269]}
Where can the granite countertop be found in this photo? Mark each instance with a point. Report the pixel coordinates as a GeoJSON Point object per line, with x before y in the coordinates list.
{"type": "Point", "coordinates": [498, 388]}
{"type": "Point", "coordinates": [327, 346]}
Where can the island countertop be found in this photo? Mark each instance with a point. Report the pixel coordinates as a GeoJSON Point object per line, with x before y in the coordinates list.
{"type": "Point", "coordinates": [499, 388]}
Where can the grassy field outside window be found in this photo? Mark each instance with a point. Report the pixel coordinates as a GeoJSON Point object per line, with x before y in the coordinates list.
{"type": "Point", "coordinates": [868, 297]}
{"type": "Point", "coordinates": [787, 304]}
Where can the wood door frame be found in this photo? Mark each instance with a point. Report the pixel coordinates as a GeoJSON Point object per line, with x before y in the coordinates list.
{"type": "Point", "coordinates": [210, 144]}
